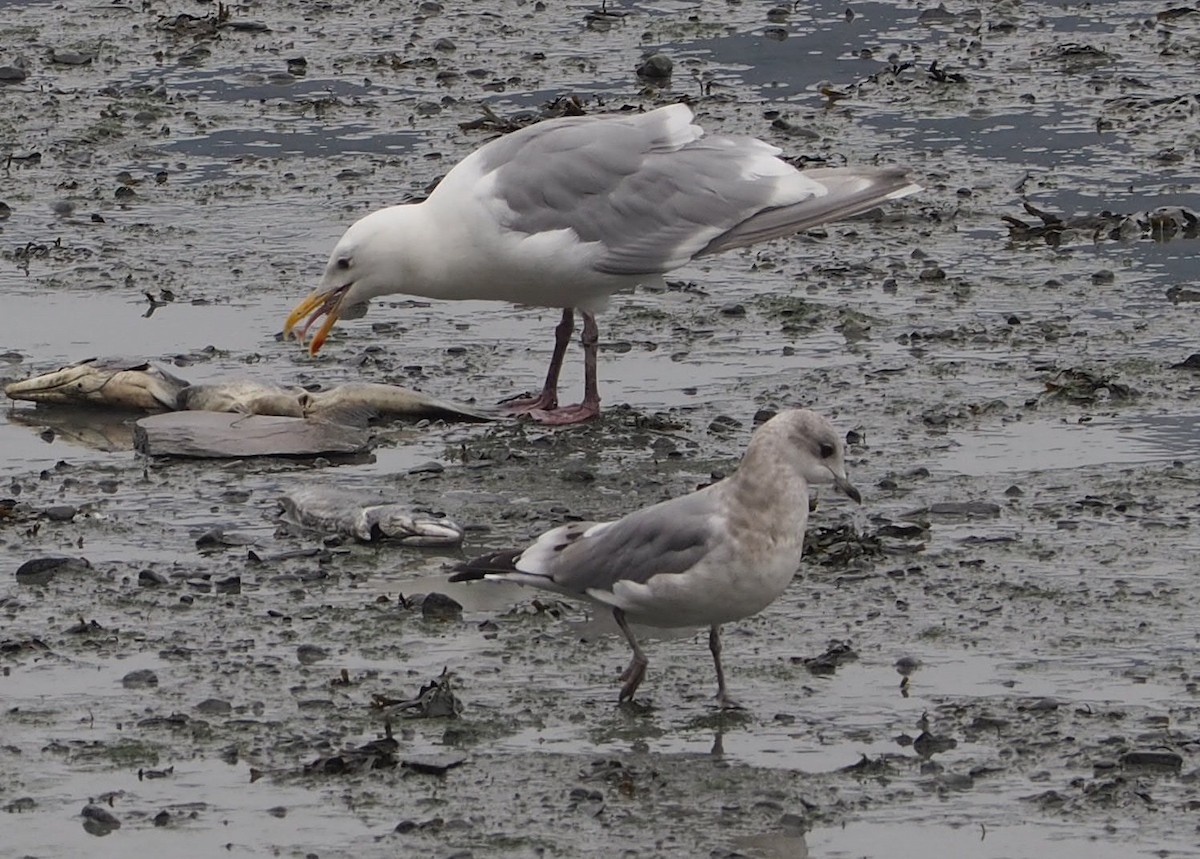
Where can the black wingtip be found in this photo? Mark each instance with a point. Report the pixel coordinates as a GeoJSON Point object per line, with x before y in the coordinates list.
{"type": "Point", "coordinates": [478, 568]}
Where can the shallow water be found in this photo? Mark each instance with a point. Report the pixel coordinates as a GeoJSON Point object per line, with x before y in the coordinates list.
{"type": "Point", "coordinates": [1052, 629]}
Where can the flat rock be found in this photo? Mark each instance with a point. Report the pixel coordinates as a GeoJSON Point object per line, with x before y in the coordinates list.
{"type": "Point", "coordinates": [39, 571]}
{"type": "Point", "coordinates": [218, 435]}
{"type": "Point", "coordinates": [433, 764]}
{"type": "Point", "coordinates": [143, 678]}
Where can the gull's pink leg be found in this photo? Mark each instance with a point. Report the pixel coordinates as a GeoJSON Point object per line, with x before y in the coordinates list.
{"type": "Point", "coordinates": [590, 407]}
{"type": "Point", "coordinates": [634, 674]}
{"type": "Point", "coordinates": [548, 398]}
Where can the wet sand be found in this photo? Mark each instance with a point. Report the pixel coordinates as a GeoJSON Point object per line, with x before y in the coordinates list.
{"type": "Point", "coordinates": [1018, 589]}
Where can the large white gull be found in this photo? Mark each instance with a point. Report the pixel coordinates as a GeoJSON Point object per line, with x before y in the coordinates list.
{"type": "Point", "coordinates": [719, 554]}
{"type": "Point", "coordinates": [568, 211]}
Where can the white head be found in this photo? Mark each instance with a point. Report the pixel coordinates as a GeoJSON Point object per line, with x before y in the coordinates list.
{"type": "Point", "coordinates": [369, 260]}
{"type": "Point", "coordinates": [809, 443]}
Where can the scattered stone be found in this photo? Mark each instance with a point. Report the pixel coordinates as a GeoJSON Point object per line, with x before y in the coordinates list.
{"type": "Point", "coordinates": [144, 774]}
{"type": "Point", "coordinates": [151, 579]}
{"type": "Point", "coordinates": [439, 607]}
{"type": "Point", "coordinates": [70, 58]}
{"type": "Point", "coordinates": [433, 764]}
{"type": "Point", "coordinates": [980, 509]}
{"type": "Point", "coordinates": [214, 707]}
{"type": "Point", "coordinates": [837, 654]}
{"type": "Point", "coordinates": [655, 67]}
{"type": "Point", "coordinates": [40, 571]}
{"type": "Point", "coordinates": [223, 435]}
{"type": "Point", "coordinates": [141, 679]}
{"type": "Point", "coordinates": [61, 513]}
{"type": "Point", "coordinates": [98, 820]}
{"type": "Point", "coordinates": [927, 745]}
{"type": "Point", "coordinates": [229, 585]}
{"type": "Point", "coordinates": [1152, 760]}
{"type": "Point", "coordinates": [216, 538]}
{"type": "Point", "coordinates": [310, 654]}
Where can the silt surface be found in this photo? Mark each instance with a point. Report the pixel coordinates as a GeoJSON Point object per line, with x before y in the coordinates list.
{"type": "Point", "coordinates": [992, 656]}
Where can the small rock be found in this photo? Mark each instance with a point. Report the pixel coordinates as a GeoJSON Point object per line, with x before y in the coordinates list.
{"type": "Point", "coordinates": [965, 508]}
{"type": "Point", "coordinates": [214, 707]}
{"type": "Point", "coordinates": [1152, 760]}
{"type": "Point", "coordinates": [433, 764]}
{"type": "Point", "coordinates": [655, 67]}
{"type": "Point", "coordinates": [309, 654]}
{"type": "Point", "coordinates": [61, 513]}
{"type": "Point", "coordinates": [927, 744]}
{"type": "Point", "coordinates": [98, 820]}
{"type": "Point", "coordinates": [151, 578]}
{"type": "Point", "coordinates": [12, 74]}
{"type": "Point", "coordinates": [40, 571]}
{"type": "Point", "coordinates": [141, 679]}
{"type": "Point", "coordinates": [229, 585]}
{"type": "Point", "coordinates": [70, 58]}
{"type": "Point", "coordinates": [437, 606]}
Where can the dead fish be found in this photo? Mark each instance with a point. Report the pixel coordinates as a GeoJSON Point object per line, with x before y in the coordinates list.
{"type": "Point", "coordinates": [142, 385]}
{"type": "Point", "coordinates": [116, 382]}
{"type": "Point", "coordinates": [369, 520]}
{"type": "Point", "coordinates": [244, 396]}
{"type": "Point", "coordinates": [385, 401]}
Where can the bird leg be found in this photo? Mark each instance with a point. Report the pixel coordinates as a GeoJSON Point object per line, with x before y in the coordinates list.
{"type": "Point", "coordinates": [590, 407]}
{"type": "Point", "coordinates": [714, 645]}
{"type": "Point", "coordinates": [636, 672]}
{"type": "Point", "coordinates": [547, 400]}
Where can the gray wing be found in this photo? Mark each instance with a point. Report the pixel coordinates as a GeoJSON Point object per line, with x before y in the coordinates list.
{"type": "Point", "coordinates": [654, 193]}
{"type": "Point", "coordinates": [664, 539]}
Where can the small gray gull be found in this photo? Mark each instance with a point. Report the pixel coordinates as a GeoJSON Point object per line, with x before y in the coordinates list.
{"type": "Point", "coordinates": [717, 555]}
{"type": "Point", "coordinates": [567, 212]}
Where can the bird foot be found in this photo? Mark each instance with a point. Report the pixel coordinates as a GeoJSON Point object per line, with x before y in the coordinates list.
{"type": "Point", "coordinates": [633, 676]}
{"type": "Point", "coordinates": [724, 702]}
{"type": "Point", "coordinates": [523, 404]}
{"type": "Point", "coordinates": [566, 415]}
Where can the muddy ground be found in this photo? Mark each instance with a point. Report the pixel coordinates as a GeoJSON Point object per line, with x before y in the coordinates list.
{"type": "Point", "coordinates": [1008, 621]}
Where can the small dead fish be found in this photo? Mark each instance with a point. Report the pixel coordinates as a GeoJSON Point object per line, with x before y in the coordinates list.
{"type": "Point", "coordinates": [340, 512]}
{"type": "Point", "coordinates": [244, 396]}
{"type": "Point", "coordinates": [384, 401]}
{"type": "Point", "coordinates": [116, 382]}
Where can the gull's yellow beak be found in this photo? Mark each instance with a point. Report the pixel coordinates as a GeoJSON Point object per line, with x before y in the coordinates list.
{"type": "Point", "coordinates": [327, 303]}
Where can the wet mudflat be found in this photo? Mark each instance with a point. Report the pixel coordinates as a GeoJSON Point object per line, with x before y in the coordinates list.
{"type": "Point", "coordinates": [995, 654]}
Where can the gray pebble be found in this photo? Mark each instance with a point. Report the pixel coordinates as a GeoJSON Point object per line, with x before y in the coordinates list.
{"type": "Point", "coordinates": [141, 679]}
{"type": "Point", "coordinates": [61, 513]}
{"type": "Point", "coordinates": [655, 67]}
{"type": "Point", "coordinates": [438, 606]}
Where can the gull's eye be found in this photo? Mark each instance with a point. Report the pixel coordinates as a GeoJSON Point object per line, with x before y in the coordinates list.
{"type": "Point", "coordinates": [343, 263]}
{"type": "Point", "coordinates": [827, 450]}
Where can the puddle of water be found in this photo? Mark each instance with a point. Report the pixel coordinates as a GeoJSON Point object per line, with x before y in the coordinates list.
{"type": "Point", "coordinates": [1041, 445]}
{"type": "Point", "coordinates": [989, 839]}
{"type": "Point", "coordinates": [213, 805]}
